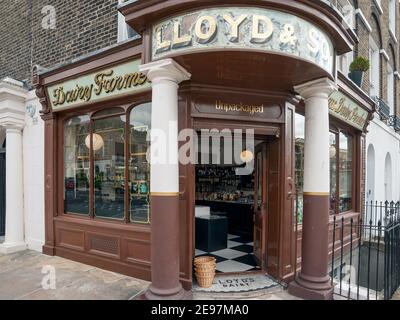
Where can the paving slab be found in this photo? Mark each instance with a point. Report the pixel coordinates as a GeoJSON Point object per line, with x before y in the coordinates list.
{"type": "Point", "coordinates": [23, 274]}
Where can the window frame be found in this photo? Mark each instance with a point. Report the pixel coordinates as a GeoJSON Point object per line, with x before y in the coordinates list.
{"type": "Point", "coordinates": [390, 88]}
{"type": "Point", "coordinates": [336, 127]}
{"type": "Point", "coordinates": [374, 72]}
{"type": "Point", "coordinates": [126, 109]}
{"type": "Point", "coordinates": [337, 130]}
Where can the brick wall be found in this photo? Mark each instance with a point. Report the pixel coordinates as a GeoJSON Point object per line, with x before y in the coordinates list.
{"type": "Point", "coordinates": [379, 26]}
{"type": "Point", "coordinates": [81, 27]}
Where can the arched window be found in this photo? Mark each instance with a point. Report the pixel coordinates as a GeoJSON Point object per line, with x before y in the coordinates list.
{"type": "Point", "coordinates": [388, 178]}
{"type": "Point", "coordinates": [106, 172]}
{"type": "Point", "coordinates": [370, 173]}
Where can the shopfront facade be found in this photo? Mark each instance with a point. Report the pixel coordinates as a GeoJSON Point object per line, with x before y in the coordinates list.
{"type": "Point", "coordinates": [268, 68]}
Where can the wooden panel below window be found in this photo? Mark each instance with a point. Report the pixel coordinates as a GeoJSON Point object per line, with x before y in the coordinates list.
{"type": "Point", "coordinates": [70, 238]}
{"type": "Point", "coordinates": [118, 247]}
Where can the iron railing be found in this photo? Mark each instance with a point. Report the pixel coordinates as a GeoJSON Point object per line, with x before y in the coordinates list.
{"type": "Point", "coordinates": [395, 123]}
{"type": "Point", "coordinates": [382, 108]}
{"type": "Point", "coordinates": [365, 253]}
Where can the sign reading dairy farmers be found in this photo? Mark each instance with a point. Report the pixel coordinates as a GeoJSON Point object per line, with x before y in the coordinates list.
{"type": "Point", "coordinates": [116, 81]}
{"type": "Point", "coordinates": [347, 110]}
{"type": "Point", "coordinates": [243, 28]}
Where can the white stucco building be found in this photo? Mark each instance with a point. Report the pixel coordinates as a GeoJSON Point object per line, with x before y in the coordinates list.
{"type": "Point", "coordinates": [21, 130]}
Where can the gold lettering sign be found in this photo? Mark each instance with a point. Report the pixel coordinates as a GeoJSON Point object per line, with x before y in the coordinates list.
{"type": "Point", "coordinates": [113, 82]}
{"type": "Point", "coordinates": [242, 28]}
{"type": "Point", "coordinates": [347, 110]}
{"type": "Point", "coordinates": [239, 107]}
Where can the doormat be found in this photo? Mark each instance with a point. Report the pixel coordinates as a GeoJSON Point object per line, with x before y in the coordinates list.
{"type": "Point", "coordinates": [238, 283]}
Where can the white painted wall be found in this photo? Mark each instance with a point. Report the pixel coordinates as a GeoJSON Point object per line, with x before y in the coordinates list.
{"type": "Point", "coordinates": [385, 141]}
{"type": "Point", "coordinates": [33, 163]}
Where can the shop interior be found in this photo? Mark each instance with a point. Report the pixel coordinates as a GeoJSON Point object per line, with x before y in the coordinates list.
{"type": "Point", "coordinates": [224, 210]}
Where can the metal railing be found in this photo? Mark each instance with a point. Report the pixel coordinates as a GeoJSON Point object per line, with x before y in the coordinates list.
{"type": "Point", "coordinates": [382, 108]}
{"type": "Point", "coordinates": [395, 122]}
{"type": "Point", "coordinates": [365, 253]}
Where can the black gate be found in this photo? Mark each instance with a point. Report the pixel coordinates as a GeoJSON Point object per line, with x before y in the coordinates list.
{"type": "Point", "coordinates": [2, 191]}
{"type": "Point", "coordinates": [365, 255]}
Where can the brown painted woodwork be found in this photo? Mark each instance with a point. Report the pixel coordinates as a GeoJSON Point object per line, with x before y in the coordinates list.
{"type": "Point", "coordinates": [260, 203]}
{"type": "Point", "coordinates": [165, 249]}
{"type": "Point", "coordinates": [226, 68]}
{"type": "Point", "coordinates": [313, 281]}
{"type": "Point", "coordinates": [274, 207]}
{"type": "Point", "coordinates": [287, 237]}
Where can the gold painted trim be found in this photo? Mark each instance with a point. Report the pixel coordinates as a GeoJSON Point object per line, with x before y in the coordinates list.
{"type": "Point", "coordinates": [317, 194]}
{"type": "Point", "coordinates": [164, 194]}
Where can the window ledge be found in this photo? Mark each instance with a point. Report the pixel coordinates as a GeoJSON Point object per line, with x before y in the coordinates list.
{"type": "Point", "coordinates": [392, 34]}
{"type": "Point", "coordinates": [364, 20]}
{"type": "Point", "coordinates": [378, 6]}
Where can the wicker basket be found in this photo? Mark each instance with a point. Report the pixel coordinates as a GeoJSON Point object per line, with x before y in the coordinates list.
{"type": "Point", "coordinates": [205, 271]}
{"type": "Point", "coordinates": [205, 279]}
{"type": "Point", "coordinates": [204, 261]}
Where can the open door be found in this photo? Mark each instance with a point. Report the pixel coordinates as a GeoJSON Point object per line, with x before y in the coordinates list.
{"type": "Point", "coordinates": [260, 203]}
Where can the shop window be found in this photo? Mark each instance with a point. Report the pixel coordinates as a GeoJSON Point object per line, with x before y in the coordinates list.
{"type": "Point", "coordinates": [341, 169]}
{"type": "Point", "coordinates": [108, 156]}
{"type": "Point", "coordinates": [341, 172]}
{"type": "Point", "coordinates": [299, 164]}
{"type": "Point", "coordinates": [139, 168]}
{"type": "Point", "coordinates": [76, 166]}
{"type": "Point", "coordinates": [333, 172]}
{"type": "Point", "coordinates": [109, 167]}
{"type": "Point", "coordinates": [345, 172]}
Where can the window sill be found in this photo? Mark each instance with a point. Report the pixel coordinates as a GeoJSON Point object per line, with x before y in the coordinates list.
{"type": "Point", "coordinates": [393, 35]}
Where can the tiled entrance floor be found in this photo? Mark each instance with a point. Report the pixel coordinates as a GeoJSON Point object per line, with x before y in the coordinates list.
{"type": "Point", "coordinates": [238, 257]}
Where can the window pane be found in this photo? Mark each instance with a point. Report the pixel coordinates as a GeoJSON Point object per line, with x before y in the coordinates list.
{"type": "Point", "coordinates": [299, 165]}
{"type": "Point", "coordinates": [346, 172]}
{"type": "Point", "coordinates": [139, 168]}
{"type": "Point", "coordinates": [333, 172]}
{"type": "Point", "coordinates": [109, 167]}
{"type": "Point", "coordinates": [76, 166]}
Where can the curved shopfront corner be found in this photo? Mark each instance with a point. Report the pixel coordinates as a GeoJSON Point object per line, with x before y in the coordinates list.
{"type": "Point", "coordinates": [268, 68]}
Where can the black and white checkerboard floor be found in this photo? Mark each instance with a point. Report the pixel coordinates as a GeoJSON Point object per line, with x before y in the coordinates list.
{"type": "Point", "coordinates": [238, 257]}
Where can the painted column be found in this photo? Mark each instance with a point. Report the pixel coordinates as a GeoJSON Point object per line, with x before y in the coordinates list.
{"type": "Point", "coordinates": [313, 282]}
{"type": "Point", "coordinates": [165, 76]}
{"type": "Point", "coordinates": [12, 120]}
{"type": "Point", "coordinates": [14, 238]}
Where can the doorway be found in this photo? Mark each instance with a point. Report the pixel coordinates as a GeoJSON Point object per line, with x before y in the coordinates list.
{"type": "Point", "coordinates": [231, 207]}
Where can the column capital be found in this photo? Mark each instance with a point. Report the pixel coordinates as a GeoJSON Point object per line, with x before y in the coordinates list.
{"type": "Point", "coordinates": [166, 69]}
{"type": "Point", "coordinates": [320, 88]}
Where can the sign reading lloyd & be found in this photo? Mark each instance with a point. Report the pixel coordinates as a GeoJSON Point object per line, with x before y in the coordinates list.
{"type": "Point", "coordinates": [347, 110]}
{"type": "Point", "coordinates": [112, 82]}
{"type": "Point", "coordinates": [243, 28]}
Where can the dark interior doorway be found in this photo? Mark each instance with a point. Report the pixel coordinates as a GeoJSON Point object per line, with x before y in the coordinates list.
{"type": "Point", "coordinates": [228, 209]}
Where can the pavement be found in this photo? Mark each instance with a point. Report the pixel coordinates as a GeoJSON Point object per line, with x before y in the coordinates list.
{"type": "Point", "coordinates": [29, 275]}
{"type": "Point", "coordinates": [396, 296]}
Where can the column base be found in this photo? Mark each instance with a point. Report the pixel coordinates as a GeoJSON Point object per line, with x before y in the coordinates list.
{"type": "Point", "coordinates": [310, 291]}
{"type": "Point", "coordinates": [7, 248]}
{"type": "Point", "coordinates": [151, 295]}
